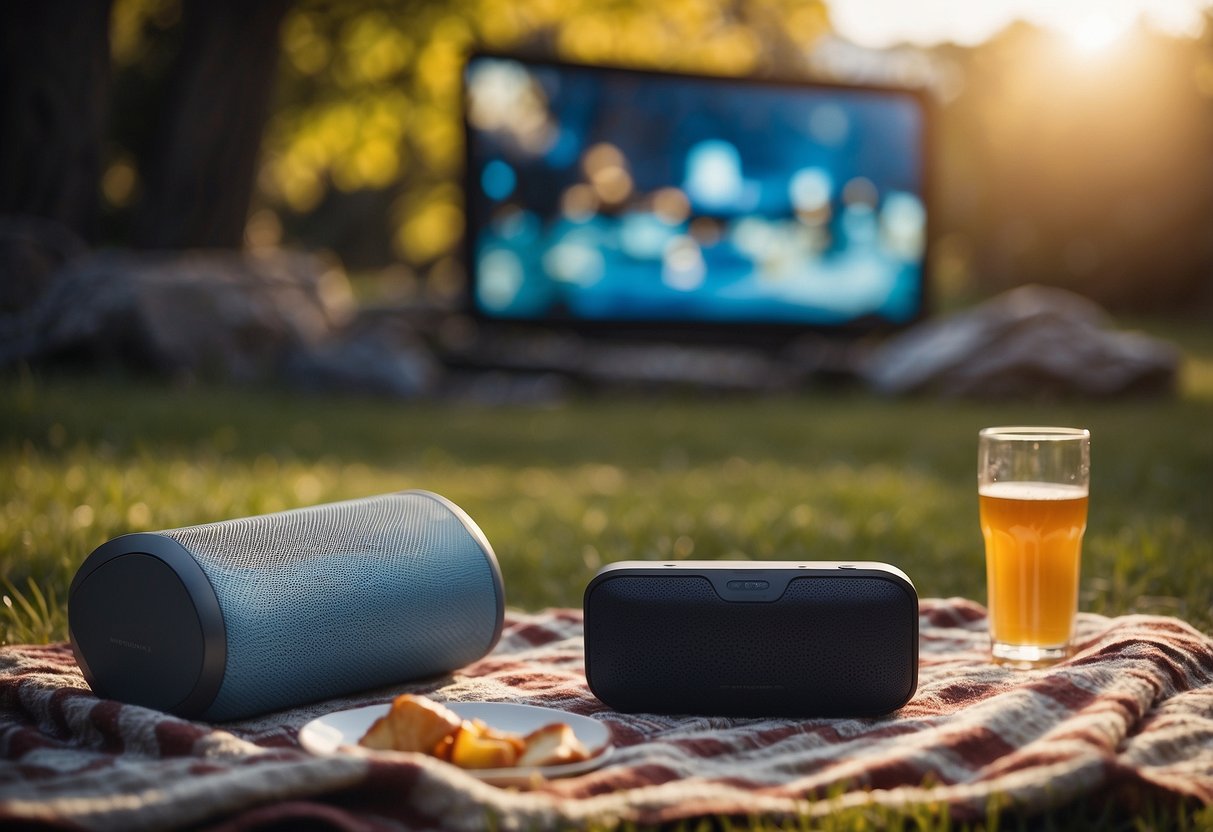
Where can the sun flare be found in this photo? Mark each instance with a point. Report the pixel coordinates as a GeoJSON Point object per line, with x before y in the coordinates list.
{"type": "Point", "coordinates": [1091, 26]}
{"type": "Point", "coordinates": [1096, 33]}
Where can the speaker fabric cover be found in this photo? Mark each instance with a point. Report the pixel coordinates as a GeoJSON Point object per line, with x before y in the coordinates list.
{"type": "Point", "coordinates": [741, 638]}
{"type": "Point", "coordinates": [230, 619]}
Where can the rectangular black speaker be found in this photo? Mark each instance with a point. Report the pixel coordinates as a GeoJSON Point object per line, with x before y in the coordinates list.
{"type": "Point", "coordinates": [748, 638]}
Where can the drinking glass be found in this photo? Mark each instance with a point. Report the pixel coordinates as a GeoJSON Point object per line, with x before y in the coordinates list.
{"type": "Point", "coordinates": [1033, 488]}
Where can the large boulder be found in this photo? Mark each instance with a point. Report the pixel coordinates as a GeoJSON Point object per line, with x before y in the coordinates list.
{"type": "Point", "coordinates": [1031, 341]}
{"type": "Point", "coordinates": [217, 315]}
{"type": "Point", "coordinates": [32, 251]}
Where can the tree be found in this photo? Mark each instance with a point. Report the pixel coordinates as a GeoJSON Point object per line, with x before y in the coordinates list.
{"type": "Point", "coordinates": [54, 73]}
{"type": "Point", "coordinates": [199, 177]}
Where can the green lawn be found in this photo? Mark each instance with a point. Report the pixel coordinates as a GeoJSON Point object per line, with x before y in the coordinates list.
{"type": "Point", "coordinates": [562, 490]}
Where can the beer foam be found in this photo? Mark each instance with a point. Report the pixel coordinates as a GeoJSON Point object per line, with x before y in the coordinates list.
{"type": "Point", "coordinates": [1032, 491]}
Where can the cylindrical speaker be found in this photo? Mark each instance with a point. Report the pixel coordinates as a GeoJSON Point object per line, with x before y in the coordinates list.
{"type": "Point", "coordinates": [240, 617]}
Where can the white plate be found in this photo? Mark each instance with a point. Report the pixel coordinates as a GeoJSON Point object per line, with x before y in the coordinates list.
{"type": "Point", "coordinates": [341, 730]}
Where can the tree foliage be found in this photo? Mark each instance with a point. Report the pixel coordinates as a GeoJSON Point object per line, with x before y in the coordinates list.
{"type": "Point", "coordinates": [1091, 173]}
{"type": "Point", "coordinates": [1087, 171]}
{"type": "Point", "coordinates": [371, 92]}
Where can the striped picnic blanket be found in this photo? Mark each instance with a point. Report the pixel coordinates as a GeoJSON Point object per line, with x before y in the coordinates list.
{"type": "Point", "coordinates": [1130, 715]}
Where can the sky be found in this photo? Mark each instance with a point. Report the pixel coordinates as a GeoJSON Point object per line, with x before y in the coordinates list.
{"type": "Point", "coordinates": [1091, 24]}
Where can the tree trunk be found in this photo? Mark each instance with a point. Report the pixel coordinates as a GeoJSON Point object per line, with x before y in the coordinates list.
{"type": "Point", "coordinates": [54, 74]}
{"type": "Point", "coordinates": [200, 177]}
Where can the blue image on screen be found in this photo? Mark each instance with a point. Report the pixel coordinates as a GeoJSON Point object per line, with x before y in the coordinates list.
{"type": "Point", "coordinates": [599, 195]}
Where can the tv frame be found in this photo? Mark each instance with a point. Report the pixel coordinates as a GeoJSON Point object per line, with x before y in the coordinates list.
{"type": "Point", "coordinates": [756, 333]}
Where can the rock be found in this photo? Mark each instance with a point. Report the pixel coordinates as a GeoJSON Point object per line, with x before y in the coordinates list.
{"type": "Point", "coordinates": [32, 250]}
{"type": "Point", "coordinates": [1031, 341]}
{"type": "Point", "coordinates": [216, 315]}
{"type": "Point", "coordinates": [377, 353]}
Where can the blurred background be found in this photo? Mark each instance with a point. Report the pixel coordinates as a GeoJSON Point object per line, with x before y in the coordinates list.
{"type": "Point", "coordinates": [1073, 141]}
{"type": "Point", "coordinates": [264, 187]}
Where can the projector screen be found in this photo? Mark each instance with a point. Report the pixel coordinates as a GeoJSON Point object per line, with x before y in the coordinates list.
{"type": "Point", "coordinates": [599, 195]}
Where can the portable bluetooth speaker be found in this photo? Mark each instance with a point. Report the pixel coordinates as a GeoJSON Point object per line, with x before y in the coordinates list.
{"type": "Point", "coordinates": [231, 619]}
{"type": "Point", "coordinates": [742, 638]}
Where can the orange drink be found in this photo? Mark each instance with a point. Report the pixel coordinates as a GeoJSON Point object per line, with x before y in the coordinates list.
{"type": "Point", "coordinates": [1032, 491]}
{"type": "Point", "coordinates": [1033, 534]}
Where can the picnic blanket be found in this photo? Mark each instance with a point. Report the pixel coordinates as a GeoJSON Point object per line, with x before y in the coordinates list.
{"type": "Point", "coordinates": [1131, 713]}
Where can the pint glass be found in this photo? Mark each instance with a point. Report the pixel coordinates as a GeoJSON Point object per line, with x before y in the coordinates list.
{"type": "Point", "coordinates": [1032, 485]}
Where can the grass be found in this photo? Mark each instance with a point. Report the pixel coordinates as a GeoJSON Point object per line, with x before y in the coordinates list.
{"type": "Point", "coordinates": [562, 490]}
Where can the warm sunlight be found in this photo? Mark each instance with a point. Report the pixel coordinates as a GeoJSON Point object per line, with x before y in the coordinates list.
{"type": "Point", "coordinates": [1097, 33]}
{"type": "Point", "coordinates": [1091, 25]}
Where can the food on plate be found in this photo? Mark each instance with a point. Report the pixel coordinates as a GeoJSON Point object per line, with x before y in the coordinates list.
{"type": "Point", "coordinates": [415, 723]}
{"type": "Point", "coordinates": [552, 745]}
{"type": "Point", "coordinates": [474, 747]}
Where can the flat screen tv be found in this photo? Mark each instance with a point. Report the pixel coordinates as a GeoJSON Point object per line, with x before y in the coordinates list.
{"type": "Point", "coordinates": [611, 199]}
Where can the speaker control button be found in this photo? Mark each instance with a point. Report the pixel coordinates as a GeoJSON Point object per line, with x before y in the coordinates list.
{"type": "Point", "coordinates": [748, 586]}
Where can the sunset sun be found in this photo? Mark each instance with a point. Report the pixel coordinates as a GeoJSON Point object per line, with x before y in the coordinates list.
{"type": "Point", "coordinates": [1091, 26]}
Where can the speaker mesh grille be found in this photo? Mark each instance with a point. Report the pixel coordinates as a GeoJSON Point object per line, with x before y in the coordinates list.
{"type": "Point", "coordinates": [325, 600]}
{"type": "Point", "coordinates": [829, 646]}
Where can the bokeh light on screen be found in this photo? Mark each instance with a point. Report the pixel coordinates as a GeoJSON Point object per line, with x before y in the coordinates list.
{"type": "Point", "coordinates": [713, 177]}
{"type": "Point", "coordinates": [513, 103]}
{"type": "Point", "coordinates": [498, 180]}
{"type": "Point", "coordinates": [644, 236]}
{"type": "Point", "coordinates": [501, 275]}
{"type": "Point", "coordinates": [810, 189]}
{"type": "Point", "coordinates": [607, 170]}
{"type": "Point", "coordinates": [575, 259]}
{"type": "Point", "coordinates": [579, 202]}
{"type": "Point", "coordinates": [675, 198]}
{"type": "Point", "coordinates": [671, 205]}
{"type": "Point", "coordinates": [828, 125]}
{"type": "Point", "coordinates": [682, 264]}
{"type": "Point", "coordinates": [902, 223]}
